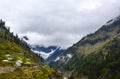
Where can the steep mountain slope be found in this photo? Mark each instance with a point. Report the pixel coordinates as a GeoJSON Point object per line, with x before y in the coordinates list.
{"type": "Point", "coordinates": [95, 56]}
{"type": "Point", "coordinates": [100, 64]}
{"type": "Point", "coordinates": [12, 49]}
{"type": "Point", "coordinates": [17, 61]}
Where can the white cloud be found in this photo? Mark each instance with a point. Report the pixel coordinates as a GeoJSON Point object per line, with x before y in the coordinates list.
{"type": "Point", "coordinates": [89, 5]}
{"type": "Point", "coordinates": [58, 39]}
{"type": "Point", "coordinates": [57, 22]}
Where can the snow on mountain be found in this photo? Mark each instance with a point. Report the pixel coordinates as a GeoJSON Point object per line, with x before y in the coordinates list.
{"type": "Point", "coordinates": [58, 58]}
{"type": "Point", "coordinates": [69, 55]}
{"type": "Point", "coordinates": [44, 55]}
{"type": "Point", "coordinates": [48, 54]}
{"type": "Point", "coordinates": [64, 58]}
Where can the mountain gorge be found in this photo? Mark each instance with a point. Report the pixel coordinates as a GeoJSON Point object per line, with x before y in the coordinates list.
{"type": "Point", "coordinates": [95, 56]}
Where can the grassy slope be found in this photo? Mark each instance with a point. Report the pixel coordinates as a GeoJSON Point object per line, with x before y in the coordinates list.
{"type": "Point", "coordinates": [16, 52]}
{"type": "Point", "coordinates": [31, 73]}
{"type": "Point", "coordinates": [25, 71]}
{"type": "Point", "coordinates": [13, 49]}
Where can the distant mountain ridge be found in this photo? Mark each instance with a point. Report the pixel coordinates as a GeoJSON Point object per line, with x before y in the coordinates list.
{"type": "Point", "coordinates": [49, 53]}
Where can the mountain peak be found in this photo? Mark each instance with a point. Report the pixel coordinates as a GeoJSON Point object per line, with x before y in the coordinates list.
{"type": "Point", "coordinates": [49, 53]}
{"type": "Point", "coordinates": [25, 38]}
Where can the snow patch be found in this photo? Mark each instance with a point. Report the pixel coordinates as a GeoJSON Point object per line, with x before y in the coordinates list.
{"type": "Point", "coordinates": [44, 55]}
{"type": "Point", "coordinates": [5, 60]}
{"type": "Point", "coordinates": [69, 55]}
{"type": "Point", "coordinates": [57, 59]}
{"type": "Point", "coordinates": [64, 58]}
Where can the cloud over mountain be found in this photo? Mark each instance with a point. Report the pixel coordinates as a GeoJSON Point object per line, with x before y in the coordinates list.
{"type": "Point", "coordinates": [57, 22]}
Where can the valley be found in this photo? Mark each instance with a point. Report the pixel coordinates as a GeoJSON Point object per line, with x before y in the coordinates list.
{"type": "Point", "coordinates": [95, 56]}
{"type": "Point", "coordinates": [59, 39]}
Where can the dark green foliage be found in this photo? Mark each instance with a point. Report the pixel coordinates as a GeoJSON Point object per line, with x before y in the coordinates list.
{"type": "Point", "coordinates": [94, 41]}
{"type": "Point", "coordinates": [16, 47]}
{"type": "Point", "coordinates": [7, 35]}
{"type": "Point", "coordinates": [103, 63]}
{"type": "Point", "coordinates": [31, 73]}
{"type": "Point", "coordinates": [31, 66]}
{"type": "Point", "coordinates": [96, 56]}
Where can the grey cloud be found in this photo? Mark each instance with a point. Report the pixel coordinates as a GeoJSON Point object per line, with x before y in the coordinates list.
{"type": "Point", "coordinates": [57, 22]}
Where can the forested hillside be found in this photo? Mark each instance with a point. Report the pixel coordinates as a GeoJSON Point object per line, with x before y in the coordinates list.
{"type": "Point", "coordinates": [12, 48]}
{"type": "Point", "coordinates": [17, 61]}
{"type": "Point", "coordinates": [96, 56]}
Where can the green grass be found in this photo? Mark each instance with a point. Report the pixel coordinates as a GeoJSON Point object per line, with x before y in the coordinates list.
{"type": "Point", "coordinates": [12, 49]}
{"type": "Point", "coordinates": [16, 52]}
{"type": "Point", "coordinates": [25, 71]}
{"type": "Point", "coordinates": [31, 73]}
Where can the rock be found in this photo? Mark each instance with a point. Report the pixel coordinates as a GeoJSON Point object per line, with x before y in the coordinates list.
{"type": "Point", "coordinates": [6, 61]}
{"type": "Point", "coordinates": [10, 58]}
{"type": "Point", "coordinates": [18, 63]}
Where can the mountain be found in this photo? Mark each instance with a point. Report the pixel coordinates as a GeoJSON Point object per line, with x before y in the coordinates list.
{"type": "Point", "coordinates": [25, 38]}
{"type": "Point", "coordinates": [47, 53]}
{"type": "Point", "coordinates": [95, 56]}
{"type": "Point", "coordinates": [12, 48]}
{"type": "Point", "coordinates": [17, 61]}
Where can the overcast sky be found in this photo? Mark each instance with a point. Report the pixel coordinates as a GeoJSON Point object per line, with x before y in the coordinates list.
{"type": "Point", "coordinates": [57, 22]}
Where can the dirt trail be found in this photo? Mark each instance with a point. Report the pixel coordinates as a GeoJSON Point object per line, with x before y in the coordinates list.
{"type": "Point", "coordinates": [6, 70]}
